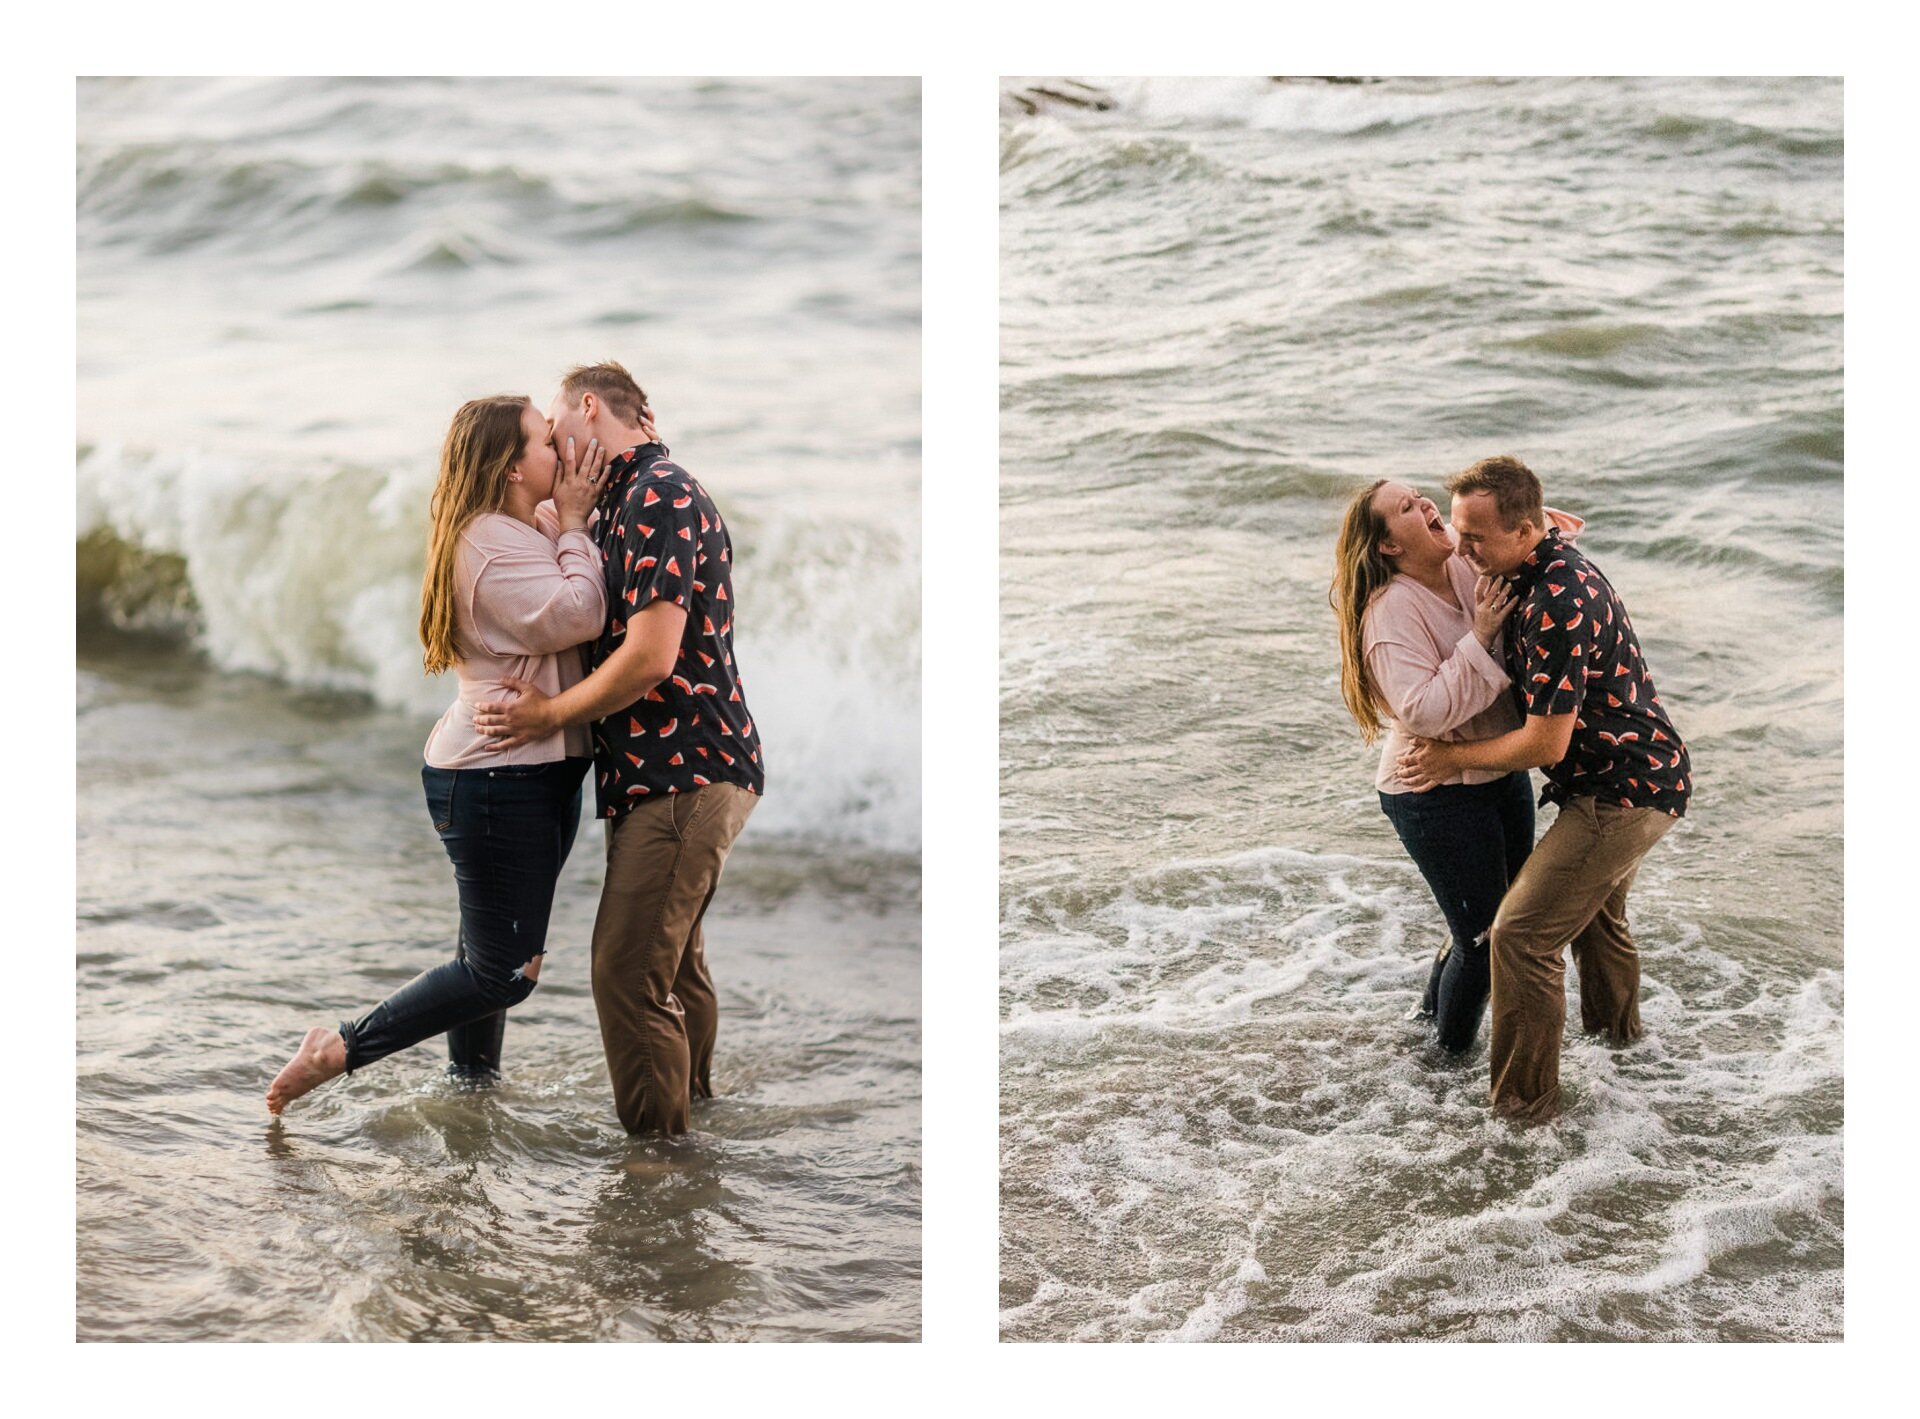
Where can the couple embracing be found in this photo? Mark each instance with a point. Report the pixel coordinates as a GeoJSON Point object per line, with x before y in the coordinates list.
{"type": "Point", "coordinates": [1485, 652]}
{"type": "Point", "coordinates": [580, 585]}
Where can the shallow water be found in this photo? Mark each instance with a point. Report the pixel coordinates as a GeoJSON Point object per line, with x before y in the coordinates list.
{"type": "Point", "coordinates": [1225, 305]}
{"type": "Point", "coordinates": [266, 864]}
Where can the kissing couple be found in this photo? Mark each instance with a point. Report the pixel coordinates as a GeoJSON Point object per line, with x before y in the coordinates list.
{"type": "Point", "coordinates": [580, 585]}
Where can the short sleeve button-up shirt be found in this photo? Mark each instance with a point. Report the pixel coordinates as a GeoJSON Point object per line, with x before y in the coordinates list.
{"type": "Point", "coordinates": [662, 538]}
{"type": "Point", "coordinates": [1571, 650]}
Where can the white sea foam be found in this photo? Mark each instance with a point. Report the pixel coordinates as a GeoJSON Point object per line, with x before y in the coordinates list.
{"type": "Point", "coordinates": [313, 577]}
{"type": "Point", "coordinates": [1296, 106]}
{"type": "Point", "coordinates": [1252, 1132]}
{"type": "Point", "coordinates": [327, 262]}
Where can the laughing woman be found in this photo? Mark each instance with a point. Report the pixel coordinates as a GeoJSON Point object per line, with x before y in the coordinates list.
{"type": "Point", "coordinates": [1420, 654]}
{"type": "Point", "coordinates": [513, 586]}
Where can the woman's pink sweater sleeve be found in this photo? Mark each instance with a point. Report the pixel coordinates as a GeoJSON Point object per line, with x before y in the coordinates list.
{"type": "Point", "coordinates": [526, 602]}
{"type": "Point", "coordinates": [1430, 697]}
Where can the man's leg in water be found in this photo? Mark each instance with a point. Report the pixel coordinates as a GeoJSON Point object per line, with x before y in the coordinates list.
{"type": "Point", "coordinates": [1589, 854]}
{"type": "Point", "coordinates": [663, 861]}
{"type": "Point", "coordinates": [1604, 954]}
{"type": "Point", "coordinates": [700, 1008]}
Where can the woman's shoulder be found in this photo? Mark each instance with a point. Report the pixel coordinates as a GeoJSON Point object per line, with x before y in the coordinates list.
{"type": "Point", "coordinates": [1407, 613]}
{"type": "Point", "coordinates": [1389, 604]}
{"type": "Point", "coordinates": [491, 532]}
{"type": "Point", "coordinates": [1399, 591]}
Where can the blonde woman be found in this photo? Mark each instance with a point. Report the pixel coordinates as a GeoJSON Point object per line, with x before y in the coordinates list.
{"type": "Point", "coordinates": [513, 586]}
{"type": "Point", "coordinates": [1420, 654]}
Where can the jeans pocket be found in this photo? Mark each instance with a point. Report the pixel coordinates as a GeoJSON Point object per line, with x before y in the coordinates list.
{"type": "Point", "coordinates": [439, 788]}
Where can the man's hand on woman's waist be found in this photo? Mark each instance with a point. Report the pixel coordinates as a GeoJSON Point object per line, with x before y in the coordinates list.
{"type": "Point", "coordinates": [644, 659]}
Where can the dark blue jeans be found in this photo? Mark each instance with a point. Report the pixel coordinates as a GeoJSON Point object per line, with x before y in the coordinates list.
{"type": "Point", "coordinates": [508, 831]}
{"type": "Point", "coordinates": [1468, 840]}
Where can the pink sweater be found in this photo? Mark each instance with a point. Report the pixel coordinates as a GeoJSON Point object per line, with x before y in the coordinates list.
{"type": "Point", "coordinates": [524, 600]}
{"type": "Point", "coordinates": [1432, 675]}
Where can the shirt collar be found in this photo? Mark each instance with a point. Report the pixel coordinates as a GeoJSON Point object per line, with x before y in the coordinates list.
{"type": "Point", "coordinates": [625, 467]}
{"type": "Point", "coordinates": [1545, 550]}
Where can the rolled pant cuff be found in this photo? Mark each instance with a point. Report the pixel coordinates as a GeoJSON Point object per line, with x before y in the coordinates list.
{"type": "Point", "coordinates": [1544, 1109]}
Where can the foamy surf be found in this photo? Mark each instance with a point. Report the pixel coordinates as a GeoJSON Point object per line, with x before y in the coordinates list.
{"type": "Point", "coordinates": [312, 577]}
{"type": "Point", "coordinates": [1234, 1105]}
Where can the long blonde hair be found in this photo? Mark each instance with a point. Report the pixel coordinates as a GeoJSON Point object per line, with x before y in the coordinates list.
{"type": "Point", "coordinates": [484, 441]}
{"type": "Point", "coordinates": [1360, 569]}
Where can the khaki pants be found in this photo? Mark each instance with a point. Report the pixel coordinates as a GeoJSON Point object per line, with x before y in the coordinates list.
{"type": "Point", "coordinates": [658, 1015]}
{"type": "Point", "coordinates": [1573, 888]}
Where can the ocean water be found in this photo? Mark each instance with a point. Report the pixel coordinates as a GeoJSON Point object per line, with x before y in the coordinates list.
{"type": "Point", "coordinates": [285, 289]}
{"type": "Point", "coordinates": [1225, 305]}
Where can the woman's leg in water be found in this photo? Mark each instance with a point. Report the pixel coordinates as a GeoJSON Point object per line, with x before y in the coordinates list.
{"type": "Point", "coordinates": [501, 830]}
{"type": "Point", "coordinates": [1467, 980]}
{"type": "Point", "coordinates": [1456, 836]}
{"type": "Point", "coordinates": [474, 1049]}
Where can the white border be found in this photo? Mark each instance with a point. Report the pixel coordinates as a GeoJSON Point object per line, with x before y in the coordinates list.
{"type": "Point", "coordinates": [961, 53]}
{"type": "Point", "coordinates": [960, 731]}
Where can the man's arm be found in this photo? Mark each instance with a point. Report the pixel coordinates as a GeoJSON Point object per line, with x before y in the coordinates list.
{"type": "Point", "coordinates": [645, 657]}
{"type": "Point", "coordinates": [1541, 741]}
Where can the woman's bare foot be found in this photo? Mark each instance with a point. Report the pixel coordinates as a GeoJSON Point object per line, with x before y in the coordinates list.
{"type": "Point", "coordinates": [322, 1054]}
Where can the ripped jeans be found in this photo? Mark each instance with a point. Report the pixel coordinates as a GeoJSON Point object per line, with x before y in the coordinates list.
{"type": "Point", "coordinates": [508, 831]}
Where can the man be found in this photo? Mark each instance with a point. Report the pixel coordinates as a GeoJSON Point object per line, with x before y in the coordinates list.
{"type": "Point", "coordinates": [677, 761]}
{"type": "Point", "coordinates": [1614, 764]}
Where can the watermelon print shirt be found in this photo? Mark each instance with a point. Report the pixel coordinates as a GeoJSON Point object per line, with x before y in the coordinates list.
{"type": "Point", "coordinates": [1571, 650]}
{"type": "Point", "coordinates": [661, 536]}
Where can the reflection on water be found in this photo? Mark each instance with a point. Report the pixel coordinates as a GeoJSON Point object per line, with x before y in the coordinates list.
{"type": "Point", "coordinates": [262, 865]}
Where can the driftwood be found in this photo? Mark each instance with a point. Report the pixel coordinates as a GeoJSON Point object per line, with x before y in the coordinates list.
{"type": "Point", "coordinates": [1071, 93]}
{"type": "Point", "coordinates": [1031, 97]}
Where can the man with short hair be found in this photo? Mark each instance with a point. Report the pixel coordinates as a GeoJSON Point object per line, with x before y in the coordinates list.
{"type": "Point", "coordinates": [676, 757]}
{"type": "Point", "coordinates": [1614, 763]}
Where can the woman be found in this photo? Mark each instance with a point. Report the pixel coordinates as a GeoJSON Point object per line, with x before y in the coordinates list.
{"type": "Point", "coordinates": [1420, 655]}
{"type": "Point", "coordinates": [513, 586]}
